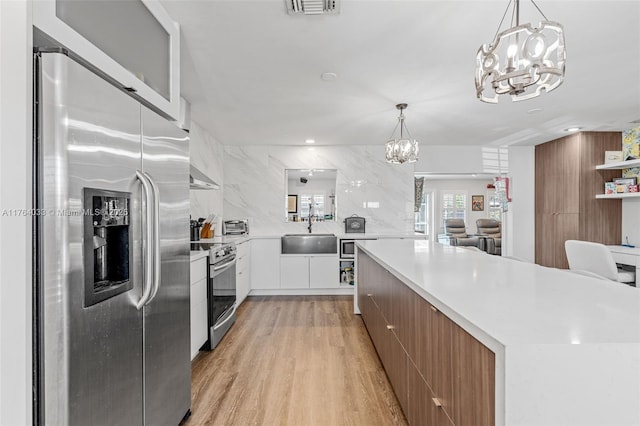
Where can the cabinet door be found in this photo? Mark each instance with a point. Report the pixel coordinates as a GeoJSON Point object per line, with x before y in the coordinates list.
{"type": "Point", "coordinates": [557, 166]}
{"type": "Point", "coordinates": [434, 351]}
{"type": "Point", "coordinates": [198, 304]}
{"type": "Point", "coordinates": [424, 407]}
{"type": "Point", "coordinates": [265, 258]}
{"type": "Point", "coordinates": [474, 381]}
{"type": "Point", "coordinates": [198, 316]}
{"type": "Point", "coordinates": [323, 272]}
{"type": "Point", "coordinates": [243, 271]}
{"type": "Point", "coordinates": [545, 239]}
{"type": "Point", "coordinates": [566, 228]}
{"type": "Point", "coordinates": [141, 52]}
{"type": "Point", "coordinates": [403, 315]}
{"type": "Point", "coordinates": [362, 280]}
{"type": "Point", "coordinates": [243, 285]}
{"type": "Point", "coordinates": [441, 355]}
{"type": "Point", "coordinates": [552, 230]}
{"type": "Point", "coordinates": [377, 276]}
{"type": "Point", "coordinates": [294, 272]}
{"type": "Point", "coordinates": [395, 364]}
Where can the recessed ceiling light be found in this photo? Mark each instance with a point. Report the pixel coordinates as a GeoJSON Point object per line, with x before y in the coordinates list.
{"type": "Point", "coordinates": [535, 111]}
{"type": "Point", "coordinates": [329, 76]}
{"type": "Point", "coordinates": [573, 129]}
{"type": "Point", "coordinates": [309, 141]}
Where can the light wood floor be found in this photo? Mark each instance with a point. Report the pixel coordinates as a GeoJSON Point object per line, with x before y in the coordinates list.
{"type": "Point", "coordinates": [293, 360]}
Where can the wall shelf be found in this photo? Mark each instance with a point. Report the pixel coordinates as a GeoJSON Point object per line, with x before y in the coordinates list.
{"type": "Point", "coordinates": [618, 196]}
{"type": "Point", "coordinates": [619, 165]}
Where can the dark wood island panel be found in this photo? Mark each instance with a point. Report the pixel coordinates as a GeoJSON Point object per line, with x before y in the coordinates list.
{"type": "Point", "coordinates": [440, 373]}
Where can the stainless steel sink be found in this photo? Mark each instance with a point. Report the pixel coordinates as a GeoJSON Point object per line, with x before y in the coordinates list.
{"type": "Point", "coordinates": [309, 244]}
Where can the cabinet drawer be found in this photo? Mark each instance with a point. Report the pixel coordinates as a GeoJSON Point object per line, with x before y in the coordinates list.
{"type": "Point", "coordinates": [440, 373]}
{"type": "Point", "coordinates": [198, 270]}
{"type": "Point", "coordinates": [625, 259]}
{"type": "Point", "coordinates": [424, 407]}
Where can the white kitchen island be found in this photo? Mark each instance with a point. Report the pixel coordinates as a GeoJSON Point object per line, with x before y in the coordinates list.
{"type": "Point", "coordinates": [567, 347]}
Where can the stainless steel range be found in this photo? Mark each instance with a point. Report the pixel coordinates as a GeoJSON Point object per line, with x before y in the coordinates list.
{"type": "Point", "coordinates": [221, 292]}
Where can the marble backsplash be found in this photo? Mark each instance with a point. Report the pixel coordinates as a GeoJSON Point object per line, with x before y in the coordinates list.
{"type": "Point", "coordinates": [207, 155]}
{"type": "Point", "coordinates": [368, 186]}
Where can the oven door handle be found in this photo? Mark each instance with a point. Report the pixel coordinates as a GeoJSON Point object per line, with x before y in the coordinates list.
{"type": "Point", "coordinates": [229, 317]}
{"type": "Point", "coordinates": [224, 265]}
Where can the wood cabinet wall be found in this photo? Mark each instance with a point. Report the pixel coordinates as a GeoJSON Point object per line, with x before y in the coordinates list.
{"type": "Point", "coordinates": [440, 374]}
{"type": "Point", "coordinates": [566, 181]}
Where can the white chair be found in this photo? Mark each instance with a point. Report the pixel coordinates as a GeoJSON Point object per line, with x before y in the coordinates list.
{"type": "Point", "coordinates": [595, 259]}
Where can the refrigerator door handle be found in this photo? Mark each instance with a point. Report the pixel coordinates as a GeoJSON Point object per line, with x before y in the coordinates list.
{"type": "Point", "coordinates": [157, 271]}
{"type": "Point", "coordinates": [148, 255]}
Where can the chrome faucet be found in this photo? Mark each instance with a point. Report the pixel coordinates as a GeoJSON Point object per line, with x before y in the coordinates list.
{"type": "Point", "coordinates": [309, 227]}
{"type": "Point", "coordinates": [310, 215]}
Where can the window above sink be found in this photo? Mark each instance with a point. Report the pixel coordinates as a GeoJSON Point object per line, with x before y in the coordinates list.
{"type": "Point", "coordinates": [310, 193]}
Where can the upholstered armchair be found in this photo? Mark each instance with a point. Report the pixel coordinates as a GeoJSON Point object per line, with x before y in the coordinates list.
{"type": "Point", "coordinates": [455, 234]}
{"type": "Point", "coordinates": [491, 230]}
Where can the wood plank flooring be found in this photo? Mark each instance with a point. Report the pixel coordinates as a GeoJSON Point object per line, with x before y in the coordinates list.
{"type": "Point", "coordinates": [293, 360]}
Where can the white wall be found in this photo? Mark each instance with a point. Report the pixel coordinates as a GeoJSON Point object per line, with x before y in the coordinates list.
{"type": "Point", "coordinates": [449, 159]}
{"type": "Point", "coordinates": [15, 231]}
{"type": "Point", "coordinates": [456, 159]}
{"type": "Point", "coordinates": [366, 185]}
{"type": "Point", "coordinates": [471, 186]}
{"type": "Point", "coordinates": [207, 154]}
{"type": "Point", "coordinates": [520, 219]}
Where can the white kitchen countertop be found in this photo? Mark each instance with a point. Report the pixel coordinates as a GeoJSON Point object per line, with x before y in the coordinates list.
{"type": "Point", "coordinates": [567, 346]}
{"type": "Point", "coordinates": [198, 254]}
{"type": "Point", "coordinates": [513, 302]}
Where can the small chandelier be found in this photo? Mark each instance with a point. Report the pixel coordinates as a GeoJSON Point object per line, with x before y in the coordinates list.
{"type": "Point", "coordinates": [404, 149]}
{"type": "Point", "coordinates": [533, 59]}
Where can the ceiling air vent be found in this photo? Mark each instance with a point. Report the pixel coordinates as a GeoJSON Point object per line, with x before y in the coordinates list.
{"type": "Point", "coordinates": [313, 7]}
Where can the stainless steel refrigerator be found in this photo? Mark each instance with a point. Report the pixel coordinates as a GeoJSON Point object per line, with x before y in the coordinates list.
{"type": "Point", "coordinates": [111, 235]}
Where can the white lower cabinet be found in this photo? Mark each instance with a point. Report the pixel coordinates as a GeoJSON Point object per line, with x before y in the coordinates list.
{"type": "Point", "coordinates": [323, 272]}
{"type": "Point", "coordinates": [265, 259]}
{"type": "Point", "coordinates": [198, 302]}
{"type": "Point", "coordinates": [294, 272]}
{"type": "Point", "coordinates": [243, 271]}
{"type": "Point", "coordinates": [298, 272]}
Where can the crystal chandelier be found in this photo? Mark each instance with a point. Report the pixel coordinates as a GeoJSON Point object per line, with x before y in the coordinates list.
{"type": "Point", "coordinates": [404, 149]}
{"type": "Point", "coordinates": [533, 59]}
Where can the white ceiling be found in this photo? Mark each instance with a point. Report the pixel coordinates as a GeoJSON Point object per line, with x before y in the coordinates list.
{"type": "Point", "coordinates": [252, 71]}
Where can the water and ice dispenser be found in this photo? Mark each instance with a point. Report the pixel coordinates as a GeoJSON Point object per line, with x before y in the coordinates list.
{"type": "Point", "coordinates": [107, 244]}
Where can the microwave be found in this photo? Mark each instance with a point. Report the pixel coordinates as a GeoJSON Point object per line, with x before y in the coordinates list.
{"type": "Point", "coordinates": [348, 247]}
{"type": "Point", "coordinates": [235, 227]}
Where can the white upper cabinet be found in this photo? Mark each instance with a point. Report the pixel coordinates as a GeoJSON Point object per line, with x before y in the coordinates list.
{"type": "Point", "coordinates": [132, 42]}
